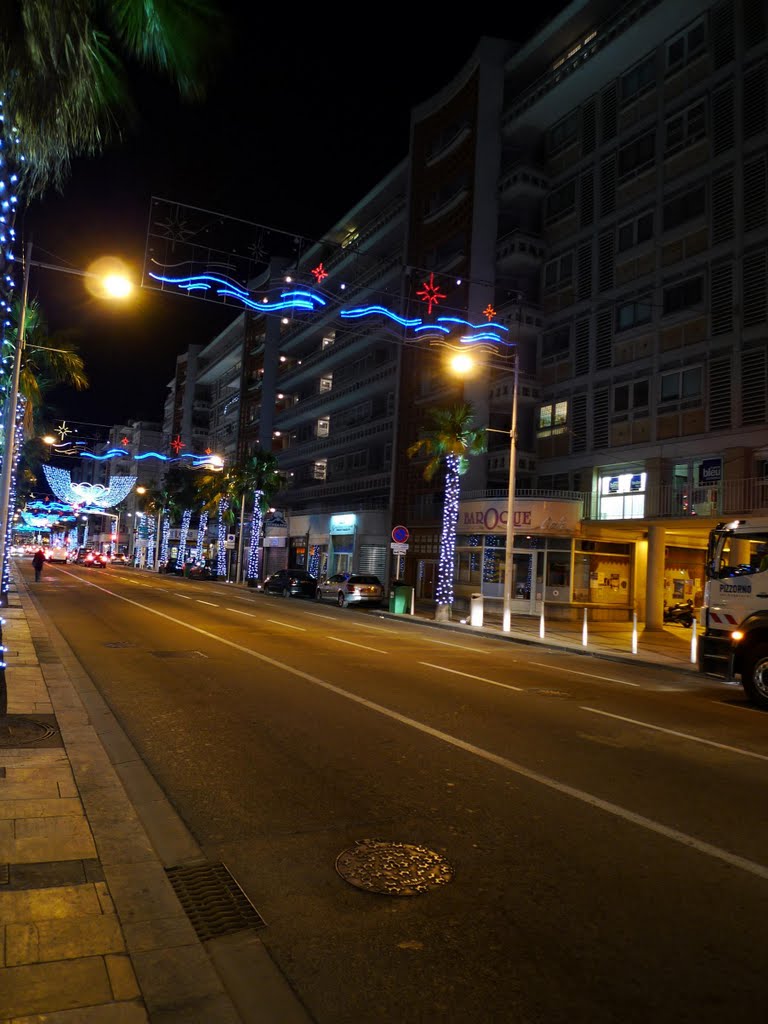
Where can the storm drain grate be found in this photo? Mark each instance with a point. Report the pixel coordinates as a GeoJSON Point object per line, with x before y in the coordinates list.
{"type": "Point", "coordinates": [213, 901]}
{"type": "Point", "coordinates": [120, 644]}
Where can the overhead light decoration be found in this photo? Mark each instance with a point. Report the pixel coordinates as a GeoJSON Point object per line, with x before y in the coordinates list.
{"type": "Point", "coordinates": [97, 495]}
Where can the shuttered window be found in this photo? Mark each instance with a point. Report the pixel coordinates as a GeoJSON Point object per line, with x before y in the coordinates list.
{"type": "Point", "coordinates": [755, 286]}
{"type": "Point", "coordinates": [753, 385]}
{"type": "Point", "coordinates": [372, 560]}
{"type": "Point", "coordinates": [755, 193]}
{"type": "Point", "coordinates": [719, 394]}
{"type": "Point", "coordinates": [600, 419]}
{"type": "Point", "coordinates": [722, 298]}
{"type": "Point", "coordinates": [579, 423]}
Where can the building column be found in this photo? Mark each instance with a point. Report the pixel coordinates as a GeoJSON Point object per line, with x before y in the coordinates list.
{"type": "Point", "coordinates": [654, 580]}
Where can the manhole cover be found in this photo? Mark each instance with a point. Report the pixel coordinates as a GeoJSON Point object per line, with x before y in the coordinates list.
{"type": "Point", "coordinates": [394, 869]}
{"type": "Point", "coordinates": [18, 731]}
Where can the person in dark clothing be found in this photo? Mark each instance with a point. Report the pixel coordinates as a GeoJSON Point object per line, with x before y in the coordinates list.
{"type": "Point", "coordinates": [38, 561]}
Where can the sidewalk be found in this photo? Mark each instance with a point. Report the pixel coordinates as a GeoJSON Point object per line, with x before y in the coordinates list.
{"type": "Point", "coordinates": [92, 930]}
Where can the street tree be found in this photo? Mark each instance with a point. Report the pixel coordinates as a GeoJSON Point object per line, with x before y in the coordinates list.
{"type": "Point", "coordinates": [449, 440]}
{"type": "Point", "coordinates": [255, 480]}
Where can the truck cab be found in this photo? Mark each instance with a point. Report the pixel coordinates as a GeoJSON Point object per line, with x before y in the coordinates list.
{"type": "Point", "coordinates": [734, 616]}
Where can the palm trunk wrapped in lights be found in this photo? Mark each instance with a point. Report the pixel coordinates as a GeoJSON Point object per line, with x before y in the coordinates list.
{"type": "Point", "coordinates": [18, 440]}
{"type": "Point", "coordinates": [166, 530]}
{"type": "Point", "coordinates": [186, 519]}
{"type": "Point", "coordinates": [257, 516]}
{"type": "Point", "coordinates": [202, 526]}
{"type": "Point", "coordinates": [150, 563]}
{"type": "Point", "coordinates": [221, 549]}
{"type": "Point", "coordinates": [447, 556]}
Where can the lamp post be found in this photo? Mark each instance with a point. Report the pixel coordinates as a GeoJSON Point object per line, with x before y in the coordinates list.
{"type": "Point", "coordinates": [506, 621]}
{"type": "Point", "coordinates": [113, 284]}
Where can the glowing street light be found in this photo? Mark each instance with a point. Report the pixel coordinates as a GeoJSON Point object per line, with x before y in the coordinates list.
{"type": "Point", "coordinates": [107, 279]}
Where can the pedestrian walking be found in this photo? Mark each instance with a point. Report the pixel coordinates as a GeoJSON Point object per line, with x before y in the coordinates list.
{"type": "Point", "coordinates": [38, 561]}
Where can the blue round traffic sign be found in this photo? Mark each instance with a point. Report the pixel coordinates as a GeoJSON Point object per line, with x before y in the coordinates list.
{"type": "Point", "coordinates": [400, 534]}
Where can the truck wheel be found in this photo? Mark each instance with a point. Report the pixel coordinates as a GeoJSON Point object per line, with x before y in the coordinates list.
{"type": "Point", "coordinates": [754, 675]}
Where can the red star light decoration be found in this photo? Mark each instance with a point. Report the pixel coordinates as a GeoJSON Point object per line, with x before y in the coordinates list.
{"type": "Point", "coordinates": [124, 442]}
{"type": "Point", "coordinates": [430, 293]}
{"type": "Point", "coordinates": [209, 451]}
{"type": "Point", "coordinates": [489, 312]}
{"type": "Point", "coordinates": [177, 444]}
{"type": "Point", "coordinates": [319, 273]}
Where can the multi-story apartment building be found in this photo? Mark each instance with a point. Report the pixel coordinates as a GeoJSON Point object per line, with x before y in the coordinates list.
{"type": "Point", "coordinates": [601, 194]}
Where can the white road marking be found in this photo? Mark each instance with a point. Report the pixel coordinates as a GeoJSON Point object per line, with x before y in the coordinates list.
{"type": "Point", "coordinates": [317, 615]}
{"type": "Point", "coordinates": [210, 603]}
{"type": "Point", "coordinates": [463, 647]}
{"type": "Point", "coordinates": [185, 596]}
{"type": "Point", "coordinates": [352, 644]}
{"type": "Point", "coordinates": [681, 735]}
{"type": "Point", "coordinates": [492, 682]}
{"type": "Point", "coordinates": [287, 625]}
{"type": "Point", "coordinates": [708, 849]}
{"type": "Point", "coordinates": [239, 611]}
{"type": "Point", "coordinates": [590, 675]}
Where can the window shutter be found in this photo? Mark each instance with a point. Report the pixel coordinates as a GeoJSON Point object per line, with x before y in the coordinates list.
{"type": "Point", "coordinates": [372, 560]}
{"type": "Point", "coordinates": [755, 22]}
{"type": "Point", "coordinates": [755, 269]}
{"type": "Point", "coordinates": [587, 196]}
{"type": "Point", "coordinates": [753, 386]}
{"type": "Point", "coordinates": [588, 127]}
{"type": "Point", "coordinates": [604, 338]}
{"type": "Point", "coordinates": [579, 423]}
{"type": "Point", "coordinates": [609, 112]}
{"type": "Point", "coordinates": [755, 193]}
{"type": "Point", "coordinates": [723, 121]}
{"type": "Point", "coordinates": [608, 184]}
{"type": "Point", "coordinates": [755, 101]}
{"type": "Point", "coordinates": [584, 271]}
{"type": "Point", "coordinates": [722, 299]}
{"type": "Point", "coordinates": [723, 34]}
{"type": "Point", "coordinates": [719, 403]}
{"type": "Point", "coordinates": [722, 208]}
{"type": "Point", "coordinates": [605, 261]}
{"type": "Point", "coordinates": [600, 419]}
{"type": "Point", "coordinates": [582, 348]}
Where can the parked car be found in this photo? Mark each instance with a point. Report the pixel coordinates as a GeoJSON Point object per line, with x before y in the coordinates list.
{"type": "Point", "coordinates": [347, 588]}
{"type": "Point", "coordinates": [290, 583]}
{"type": "Point", "coordinates": [119, 559]}
{"type": "Point", "coordinates": [200, 571]}
{"type": "Point", "coordinates": [95, 560]}
{"type": "Point", "coordinates": [172, 566]}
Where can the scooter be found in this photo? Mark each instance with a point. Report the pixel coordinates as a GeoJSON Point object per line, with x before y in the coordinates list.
{"type": "Point", "coordinates": [679, 614]}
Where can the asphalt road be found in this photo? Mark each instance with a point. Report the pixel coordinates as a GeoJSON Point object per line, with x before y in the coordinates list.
{"type": "Point", "coordinates": [605, 823]}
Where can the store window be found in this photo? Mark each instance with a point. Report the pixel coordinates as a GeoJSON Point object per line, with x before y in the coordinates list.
{"type": "Point", "coordinates": [602, 572]}
{"type": "Point", "coordinates": [622, 496]}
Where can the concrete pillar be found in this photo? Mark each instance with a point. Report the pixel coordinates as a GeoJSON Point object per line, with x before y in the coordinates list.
{"type": "Point", "coordinates": [654, 596]}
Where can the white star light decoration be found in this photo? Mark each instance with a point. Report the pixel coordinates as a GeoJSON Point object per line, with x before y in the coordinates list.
{"type": "Point", "coordinates": [61, 484]}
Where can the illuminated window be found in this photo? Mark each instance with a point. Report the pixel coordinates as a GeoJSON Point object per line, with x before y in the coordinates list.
{"type": "Point", "coordinates": [552, 418]}
{"type": "Point", "coordinates": [622, 496]}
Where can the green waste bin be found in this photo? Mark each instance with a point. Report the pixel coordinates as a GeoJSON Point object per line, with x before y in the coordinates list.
{"type": "Point", "coordinates": [400, 600]}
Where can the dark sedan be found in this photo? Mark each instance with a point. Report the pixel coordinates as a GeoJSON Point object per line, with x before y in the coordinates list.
{"type": "Point", "coordinates": [290, 583]}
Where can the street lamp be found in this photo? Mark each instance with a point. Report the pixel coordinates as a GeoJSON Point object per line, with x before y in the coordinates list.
{"type": "Point", "coordinates": [108, 282]}
{"type": "Point", "coordinates": [462, 363]}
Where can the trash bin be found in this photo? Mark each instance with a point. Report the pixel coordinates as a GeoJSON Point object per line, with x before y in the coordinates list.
{"type": "Point", "coordinates": [400, 599]}
{"type": "Point", "coordinates": [475, 609]}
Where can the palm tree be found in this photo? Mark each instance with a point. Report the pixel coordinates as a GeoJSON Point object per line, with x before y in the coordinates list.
{"type": "Point", "coordinates": [449, 441]}
{"type": "Point", "coordinates": [182, 484]}
{"type": "Point", "coordinates": [216, 489]}
{"type": "Point", "coordinates": [256, 477]}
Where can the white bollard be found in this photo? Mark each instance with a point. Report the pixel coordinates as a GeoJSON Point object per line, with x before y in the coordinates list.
{"type": "Point", "coordinates": [694, 651]}
{"type": "Point", "coordinates": [541, 622]}
{"type": "Point", "coordinates": [584, 630]}
{"type": "Point", "coordinates": [634, 632]}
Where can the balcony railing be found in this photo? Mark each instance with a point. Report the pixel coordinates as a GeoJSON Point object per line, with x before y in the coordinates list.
{"type": "Point", "coordinates": [728, 499]}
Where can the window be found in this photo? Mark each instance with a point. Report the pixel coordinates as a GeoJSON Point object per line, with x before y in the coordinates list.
{"type": "Point", "coordinates": [686, 128]}
{"type": "Point", "coordinates": [552, 418]}
{"type": "Point", "coordinates": [684, 295]}
{"type": "Point", "coordinates": [558, 272]}
{"type": "Point", "coordinates": [627, 397]}
{"type": "Point", "coordinates": [637, 155]}
{"type": "Point", "coordinates": [323, 428]}
{"type": "Point", "coordinates": [634, 313]}
{"type": "Point", "coordinates": [563, 133]}
{"type": "Point", "coordinates": [635, 231]}
{"type": "Point", "coordinates": [680, 385]}
{"type": "Point", "coordinates": [357, 460]}
{"type": "Point", "coordinates": [686, 46]}
{"type": "Point", "coordinates": [326, 383]}
{"type": "Point", "coordinates": [562, 201]}
{"type": "Point", "coordinates": [684, 207]}
{"type": "Point", "coordinates": [557, 344]}
{"type": "Point", "coordinates": [622, 496]}
{"type": "Point", "coordinates": [638, 79]}
{"type": "Point", "coordinates": [319, 469]}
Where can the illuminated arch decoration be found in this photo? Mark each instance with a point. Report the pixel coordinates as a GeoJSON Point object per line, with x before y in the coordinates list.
{"type": "Point", "coordinates": [196, 461]}
{"type": "Point", "coordinates": [96, 495]}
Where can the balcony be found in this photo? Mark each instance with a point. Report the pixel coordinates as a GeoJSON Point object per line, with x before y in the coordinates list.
{"type": "Point", "coordinates": [522, 182]}
{"type": "Point", "coordinates": [302, 451]}
{"type": "Point", "coordinates": [727, 500]}
{"type": "Point", "coordinates": [520, 251]}
{"type": "Point", "coordinates": [371, 491]}
{"type": "Point", "coordinates": [327, 401]}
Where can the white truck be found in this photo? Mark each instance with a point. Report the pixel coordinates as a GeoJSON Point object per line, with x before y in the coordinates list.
{"type": "Point", "coordinates": [734, 616]}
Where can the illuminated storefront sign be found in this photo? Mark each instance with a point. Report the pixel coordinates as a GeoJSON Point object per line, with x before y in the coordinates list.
{"type": "Point", "coordinates": [529, 516]}
{"type": "Point", "coordinates": [344, 523]}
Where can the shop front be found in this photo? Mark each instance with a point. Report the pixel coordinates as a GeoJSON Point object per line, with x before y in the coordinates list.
{"type": "Point", "coordinates": [340, 542]}
{"type": "Point", "coordinates": [552, 565]}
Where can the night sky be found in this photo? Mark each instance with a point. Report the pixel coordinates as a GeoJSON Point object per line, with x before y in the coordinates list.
{"type": "Point", "coordinates": [301, 120]}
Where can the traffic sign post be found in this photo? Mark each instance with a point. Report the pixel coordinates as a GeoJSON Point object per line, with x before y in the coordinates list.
{"type": "Point", "coordinates": [399, 547]}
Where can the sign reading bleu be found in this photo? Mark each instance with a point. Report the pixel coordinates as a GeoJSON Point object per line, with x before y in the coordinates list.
{"type": "Point", "coordinates": [710, 471]}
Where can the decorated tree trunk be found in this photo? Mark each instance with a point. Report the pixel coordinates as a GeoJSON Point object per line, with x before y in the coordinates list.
{"type": "Point", "coordinates": [186, 519]}
{"type": "Point", "coordinates": [165, 531]}
{"type": "Point", "coordinates": [252, 572]}
{"type": "Point", "coordinates": [445, 566]}
{"type": "Point", "coordinates": [221, 552]}
{"type": "Point", "coordinates": [202, 526]}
